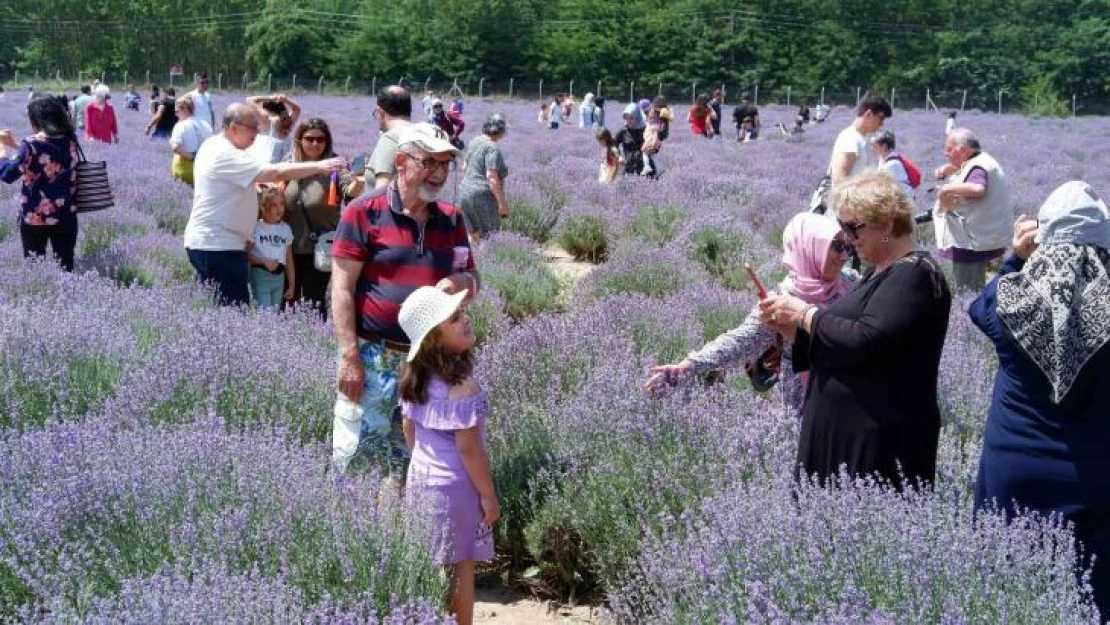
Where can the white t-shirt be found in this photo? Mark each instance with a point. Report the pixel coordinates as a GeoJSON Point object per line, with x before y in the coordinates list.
{"type": "Point", "coordinates": [225, 205]}
{"type": "Point", "coordinates": [850, 141]}
{"type": "Point", "coordinates": [556, 113]}
{"type": "Point", "coordinates": [202, 107]}
{"type": "Point", "coordinates": [188, 134]}
{"type": "Point", "coordinates": [266, 149]}
{"type": "Point", "coordinates": [271, 240]}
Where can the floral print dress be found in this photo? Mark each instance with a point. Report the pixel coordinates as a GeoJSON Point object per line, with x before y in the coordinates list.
{"type": "Point", "coordinates": [46, 165]}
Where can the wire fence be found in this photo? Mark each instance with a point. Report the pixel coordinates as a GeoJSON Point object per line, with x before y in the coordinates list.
{"type": "Point", "coordinates": [537, 89]}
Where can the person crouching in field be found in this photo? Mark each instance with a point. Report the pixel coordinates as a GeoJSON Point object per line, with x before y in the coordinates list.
{"type": "Point", "coordinates": [444, 411]}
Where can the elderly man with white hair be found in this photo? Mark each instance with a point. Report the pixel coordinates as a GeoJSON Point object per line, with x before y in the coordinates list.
{"type": "Point", "coordinates": [390, 242]}
{"type": "Point", "coordinates": [973, 212]}
{"type": "Point", "coordinates": [225, 203]}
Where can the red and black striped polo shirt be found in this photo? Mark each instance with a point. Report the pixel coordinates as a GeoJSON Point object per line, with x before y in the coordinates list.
{"type": "Point", "coordinates": [397, 255]}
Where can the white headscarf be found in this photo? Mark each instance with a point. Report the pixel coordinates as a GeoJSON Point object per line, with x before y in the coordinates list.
{"type": "Point", "coordinates": [1058, 306]}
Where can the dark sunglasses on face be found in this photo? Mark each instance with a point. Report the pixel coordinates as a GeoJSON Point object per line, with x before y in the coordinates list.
{"type": "Point", "coordinates": [852, 228]}
{"type": "Point", "coordinates": [840, 247]}
{"type": "Point", "coordinates": [308, 139]}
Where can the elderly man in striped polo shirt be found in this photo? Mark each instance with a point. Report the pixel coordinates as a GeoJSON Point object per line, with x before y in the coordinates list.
{"type": "Point", "coordinates": [390, 242]}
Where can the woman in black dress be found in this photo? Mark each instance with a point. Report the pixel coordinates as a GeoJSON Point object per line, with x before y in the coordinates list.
{"type": "Point", "coordinates": [873, 355]}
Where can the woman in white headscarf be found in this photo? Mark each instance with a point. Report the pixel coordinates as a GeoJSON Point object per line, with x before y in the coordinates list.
{"type": "Point", "coordinates": [586, 112]}
{"type": "Point", "coordinates": [1047, 441]}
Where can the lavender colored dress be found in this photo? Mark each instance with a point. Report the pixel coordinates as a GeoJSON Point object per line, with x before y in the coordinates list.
{"type": "Point", "coordinates": [437, 478]}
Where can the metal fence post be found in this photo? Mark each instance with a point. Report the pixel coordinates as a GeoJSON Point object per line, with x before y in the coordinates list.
{"type": "Point", "coordinates": [374, 85]}
{"type": "Point", "coordinates": [892, 97]}
{"type": "Point", "coordinates": [347, 86]}
{"type": "Point", "coordinates": [1000, 101]}
{"type": "Point", "coordinates": [510, 88]}
{"type": "Point", "coordinates": [632, 91]}
{"type": "Point", "coordinates": [293, 89]}
{"type": "Point", "coordinates": [694, 91]}
{"type": "Point", "coordinates": [822, 95]}
{"type": "Point", "coordinates": [858, 98]}
{"type": "Point", "coordinates": [320, 85]}
{"type": "Point", "coordinates": [219, 81]}
{"type": "Point", "coordinates": [755, 95]}
{"type": "Point", "coordinates": [571, 89]}
{"type": "Point", "coordinates": [269, 82]}
{"type": "Point", "coordinates": [481, 83]}
{"type": "Point", "coordinates": [787, 96]}
{"type": "Point", "coordinates": [598, 92]}
{"type": "Point", "coordinates": [541, 90]}
{"type": "Point", "coordinates": [1073, 105]}
{"type": "Point", "coordinates": [660, 88]}
{"type": "Point", "coordinates": [963, 101]}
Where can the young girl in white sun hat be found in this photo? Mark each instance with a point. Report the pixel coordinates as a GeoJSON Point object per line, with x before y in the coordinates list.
{"type": "Point", "coordinates": [445, 411]}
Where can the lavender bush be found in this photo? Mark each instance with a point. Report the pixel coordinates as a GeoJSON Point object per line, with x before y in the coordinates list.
{"type": "Point", "coordinates": [163, 457]}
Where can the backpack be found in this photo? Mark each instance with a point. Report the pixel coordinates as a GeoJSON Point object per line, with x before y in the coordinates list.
{"type": "Point", "coordinates": [912, 172]}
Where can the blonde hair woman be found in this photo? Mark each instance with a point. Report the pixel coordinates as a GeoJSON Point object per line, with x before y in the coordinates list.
{"type": "Point", "coordinates": [873, 354]}
{"type": "Point", "coordinates": [188, 133]}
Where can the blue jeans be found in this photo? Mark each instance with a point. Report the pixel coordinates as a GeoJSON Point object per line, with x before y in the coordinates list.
{"type": "Point", "coordinates": [224, 269]}
{"type": "Point", "coordinates": [369, 431]}
{"type": "Point", "coordinates": [267, 288]}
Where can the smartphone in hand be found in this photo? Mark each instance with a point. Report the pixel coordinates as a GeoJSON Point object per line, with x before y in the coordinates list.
{"type": "Point", "coordinates": [759, 289]}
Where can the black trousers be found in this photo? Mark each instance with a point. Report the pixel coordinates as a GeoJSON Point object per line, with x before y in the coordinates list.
{"type": "Point", "coordinates": [61, 236]}
{"type": "Point", "coordinates": [312, 285]}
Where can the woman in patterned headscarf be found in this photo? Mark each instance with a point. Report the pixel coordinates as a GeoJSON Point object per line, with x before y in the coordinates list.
{"type": "Point", "coordinates": [1047, 440]}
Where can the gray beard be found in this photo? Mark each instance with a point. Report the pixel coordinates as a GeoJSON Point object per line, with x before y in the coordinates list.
{"type": "Point", "coordinates": [428, 194]}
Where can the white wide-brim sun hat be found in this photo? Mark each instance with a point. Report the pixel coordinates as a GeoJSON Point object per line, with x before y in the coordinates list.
{"type": "Point", "coordinates": [423, 310]}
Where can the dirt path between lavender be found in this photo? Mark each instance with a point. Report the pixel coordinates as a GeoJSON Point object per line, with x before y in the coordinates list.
{"type": "Point", "coordinates": [497, 605]}
{"type": "Point", "coordinates": [564, 265]}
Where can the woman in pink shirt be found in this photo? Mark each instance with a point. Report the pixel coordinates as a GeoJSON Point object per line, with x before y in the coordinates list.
{"type": "Point", "coordinates": [100, 118]}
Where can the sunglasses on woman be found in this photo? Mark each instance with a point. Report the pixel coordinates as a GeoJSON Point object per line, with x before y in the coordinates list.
{"type": "Point", "coordinates": [851, 227]}
{"type": "Point", "coordinates": [840, 247]}
{"type": "Point", "coordinates": [308, 139]}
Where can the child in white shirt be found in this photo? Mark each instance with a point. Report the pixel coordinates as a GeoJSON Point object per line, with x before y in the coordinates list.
{"type": "Point", "coordinates": [271, 254]}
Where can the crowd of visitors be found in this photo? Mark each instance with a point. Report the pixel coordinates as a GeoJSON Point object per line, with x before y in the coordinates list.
{"type": "Point", "coordinates": [278, 217]}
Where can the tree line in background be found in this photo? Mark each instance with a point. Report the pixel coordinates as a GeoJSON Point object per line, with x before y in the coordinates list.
{"type": "Point", "coordinates": [1038, 50]}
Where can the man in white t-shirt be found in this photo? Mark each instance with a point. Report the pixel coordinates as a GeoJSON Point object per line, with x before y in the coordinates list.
{"type": "Point", "coordinates": [202, 102]}
{"type": "Point", "coordinates": [851, 153]}
{"type": "Point", "coordinates": [225, 203]}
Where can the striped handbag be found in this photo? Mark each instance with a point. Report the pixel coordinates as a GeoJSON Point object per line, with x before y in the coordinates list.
{"type": "Point", "coordinates": [93, 191]}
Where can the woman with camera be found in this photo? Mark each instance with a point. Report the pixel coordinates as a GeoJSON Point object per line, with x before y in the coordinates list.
{"type": "Point", "coordinates": [873, 355]}
{"type": "Point", "coordinates": [278, 114]}
{"type": "Point", "coordinates": [814, 252]}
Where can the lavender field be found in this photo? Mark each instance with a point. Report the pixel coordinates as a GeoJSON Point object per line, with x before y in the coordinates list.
{"type": "Point", "coordinates": [163, 460]}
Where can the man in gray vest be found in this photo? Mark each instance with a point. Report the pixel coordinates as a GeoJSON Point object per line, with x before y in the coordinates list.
{"type": "Point", "coordinates": [973, 215]}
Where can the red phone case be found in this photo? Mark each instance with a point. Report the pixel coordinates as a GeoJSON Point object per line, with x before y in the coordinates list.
{"type": "Point", "coordinates": [759, 290]}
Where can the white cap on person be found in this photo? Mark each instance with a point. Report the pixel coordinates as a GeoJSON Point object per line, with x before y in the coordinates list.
{"type": "Point", "coordinates": [428, 137]}
{"type": "Point", "coordinates": [423, 310]}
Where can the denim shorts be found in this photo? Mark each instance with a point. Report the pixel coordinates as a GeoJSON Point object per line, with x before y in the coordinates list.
{"type": "Point", "coordinates": [368, 432]}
